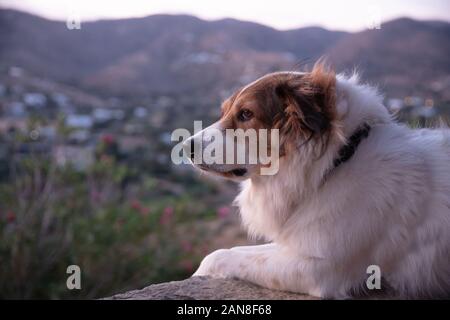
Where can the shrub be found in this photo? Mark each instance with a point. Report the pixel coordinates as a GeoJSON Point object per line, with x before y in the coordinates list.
{"type": "Point", "coordinates": [122, 235]}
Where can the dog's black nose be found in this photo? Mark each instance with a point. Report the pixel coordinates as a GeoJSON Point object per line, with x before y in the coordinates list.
{"type": "Point", "coordinates": [192, 154]}
{"type": "Point", "coordinates": [239, 172]}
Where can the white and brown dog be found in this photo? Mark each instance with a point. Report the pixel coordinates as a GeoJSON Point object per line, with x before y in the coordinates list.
{"type": "Point", "coordinates": [353, 189]}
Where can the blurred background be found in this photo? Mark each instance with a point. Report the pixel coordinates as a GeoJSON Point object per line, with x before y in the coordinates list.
{"type": "Point", "coordinates": [91, 91]}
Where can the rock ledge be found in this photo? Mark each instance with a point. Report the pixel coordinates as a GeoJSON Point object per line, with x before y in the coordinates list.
{"type": "Point", "coordinates": [205, 288]}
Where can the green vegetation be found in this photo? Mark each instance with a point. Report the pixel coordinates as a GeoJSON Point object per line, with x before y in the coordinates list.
{"type": "Point", "coordinates": [123, 226]}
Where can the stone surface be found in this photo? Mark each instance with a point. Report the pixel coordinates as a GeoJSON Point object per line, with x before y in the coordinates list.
{"type": "Point", "coordinates": [198, 288]}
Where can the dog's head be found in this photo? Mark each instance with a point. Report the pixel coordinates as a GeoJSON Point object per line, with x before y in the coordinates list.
{"type": "Point", "coordinates": [301, 106]}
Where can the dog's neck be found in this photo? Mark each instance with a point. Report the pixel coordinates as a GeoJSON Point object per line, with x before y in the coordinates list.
{"type": "Point", "coordinates": [267, 202]}
{"type": "Point", "coordinates": [349, 149]}
{"type": "Point", "coordinates": [298, 178]}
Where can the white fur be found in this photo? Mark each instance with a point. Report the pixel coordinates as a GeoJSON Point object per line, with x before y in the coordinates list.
{"type": "Point", "coordinates": [389, 205]}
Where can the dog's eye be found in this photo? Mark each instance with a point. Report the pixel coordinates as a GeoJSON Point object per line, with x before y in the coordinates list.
{"type": "Point", "coordinates": [245, 115]}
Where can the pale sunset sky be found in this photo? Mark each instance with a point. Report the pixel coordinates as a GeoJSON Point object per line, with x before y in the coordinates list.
{"type": "Point", "coordinates": [350, 15]}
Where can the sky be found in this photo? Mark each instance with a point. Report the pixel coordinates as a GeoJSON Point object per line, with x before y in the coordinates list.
{"type": "Point", "coordinates": [350, 15]}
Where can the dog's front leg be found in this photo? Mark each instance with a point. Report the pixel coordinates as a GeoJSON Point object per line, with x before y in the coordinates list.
{"type": "Point", "coordinates": [268, 265]}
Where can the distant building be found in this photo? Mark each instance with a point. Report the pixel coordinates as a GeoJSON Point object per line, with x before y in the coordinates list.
{"type": "Point", "coordinates": [140, 112]}
{"type": "Point", "coordinates": [102, 115]}
{"type": "Point", "coordinates": [79, 121]}
{"type": "Point", "coordinates": [16, 109]}
{"type": "Point", "coordinates": [48, 132]}
{"type": "Point", "coordinates": [61, 100]}
{"type": "Point", "coordinates": [35, 99]}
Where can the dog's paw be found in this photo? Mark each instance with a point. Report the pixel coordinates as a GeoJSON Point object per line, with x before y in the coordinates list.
{"type": "Point", "coordinates": [217, 265]}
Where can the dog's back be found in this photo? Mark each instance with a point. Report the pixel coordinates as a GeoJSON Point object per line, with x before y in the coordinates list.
{"type": "Point", "coordinates": [377, 195]}
{"type": "Point", "coordinates": [424, 270]}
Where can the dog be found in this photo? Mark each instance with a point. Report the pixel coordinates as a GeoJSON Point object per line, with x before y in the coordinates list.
{"type": "Point", "coordinates": [354, 189]}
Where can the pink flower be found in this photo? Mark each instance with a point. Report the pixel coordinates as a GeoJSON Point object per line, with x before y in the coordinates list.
{"type": "Point", "coordinates": [166, 217]}
{"type": "Point", "coordinates": [223, 212]}
{"type": "Point", "coordinates": [10, 216]}
{"type": "Point", "coordinates": [136, 205]}
{"type": "Point", "coordinates": [107, 139]}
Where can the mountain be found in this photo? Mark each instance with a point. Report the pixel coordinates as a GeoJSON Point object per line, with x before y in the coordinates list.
{"type": "Point", "coordinates": [160, 53]}
{"type": "Point", "coordinates": [405, 57]}
{"type": "Point", "coordinates": [181, 54]}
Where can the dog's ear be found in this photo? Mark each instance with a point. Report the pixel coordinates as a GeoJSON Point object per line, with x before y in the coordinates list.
{"type": "Point", "coordinates": [307, 105]}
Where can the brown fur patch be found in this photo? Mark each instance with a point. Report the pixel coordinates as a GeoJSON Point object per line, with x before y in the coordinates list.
{"type": "Point", "coordinates": [301, 106]}
{"type": "Point", "coordinates": [309, 106]}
